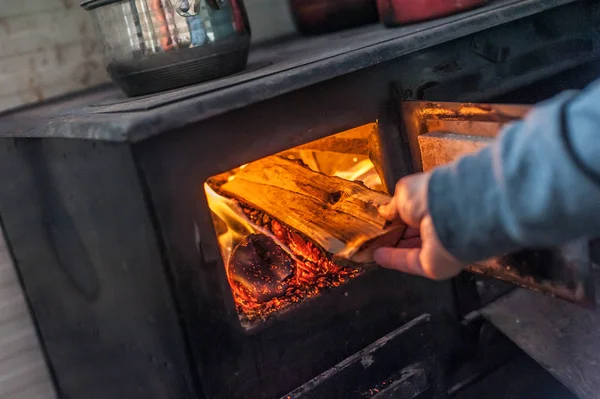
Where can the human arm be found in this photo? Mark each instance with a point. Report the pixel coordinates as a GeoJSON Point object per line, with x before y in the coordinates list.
{"type": "Point", "coordinates": [537, 185]}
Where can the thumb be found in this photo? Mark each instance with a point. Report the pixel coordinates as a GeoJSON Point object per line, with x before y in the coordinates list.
{"type": "Point", "coordinates": [389, 211]}
{"type": "Point", "coordinates": [406, 260]}
{"type": "Point", "coordinates": [411, 198]}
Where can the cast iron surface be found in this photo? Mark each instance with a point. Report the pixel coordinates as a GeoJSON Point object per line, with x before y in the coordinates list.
{"type": "Point", "coordinates": [284, 67]}
{"type": "Point", "coordinates": [157, 183]}
{"type": "Point", "coordinates": [86, 251]}
{"type": "Point", "coordinates": [488, 350]}
{"type": "Point", "coordinates": [173, 167]}
{"type": "Point", "coordinates": [562, 337]}
{"type": "Point", "coordinates": [521, 378]}
{"type": "Point", "coordinates": [292, 348]}
{"type": "Point", "coordinates": [272, 360]}
{"type": "Point", "coordinates": [399, 363]}
{"type": "Point", "coordinates": [103, 301]}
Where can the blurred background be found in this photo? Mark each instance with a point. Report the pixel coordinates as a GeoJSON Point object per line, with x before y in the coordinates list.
{"type": "Point", "coordinates": [51, 47]}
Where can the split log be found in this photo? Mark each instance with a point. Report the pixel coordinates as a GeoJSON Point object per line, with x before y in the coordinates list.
{"type": "Point", "coordinates": [338, 215]}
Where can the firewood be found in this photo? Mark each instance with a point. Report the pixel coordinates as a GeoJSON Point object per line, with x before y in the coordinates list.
{"type": "Point", "coordinates": [338, 215]}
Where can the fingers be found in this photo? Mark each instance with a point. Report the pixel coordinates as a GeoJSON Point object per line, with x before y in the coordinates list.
{"type": "Point", "coordinates": [414, 242]}
{"type": "Point", "coordinates": [431, 260]}
{"type": "Point", "coordinates": [417, 261]}
{"type": "Point", "coordinates": [411, 198]}
{"type": "Point", "coordinates": [420, 252]}
{"type": "Point", "coordinates": [404, 260]}
{"type": "Point", "coordinates": [437, 262]}
{"type": "Point", "coordinates": [411, 232]}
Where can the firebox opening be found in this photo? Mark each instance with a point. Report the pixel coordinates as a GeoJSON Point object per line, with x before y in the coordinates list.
{"type": "Point", "coordinates": [271, 230]}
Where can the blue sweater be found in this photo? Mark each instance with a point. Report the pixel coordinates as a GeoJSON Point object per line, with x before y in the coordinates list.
{"type": "Point", "coordinates": [538, 185]}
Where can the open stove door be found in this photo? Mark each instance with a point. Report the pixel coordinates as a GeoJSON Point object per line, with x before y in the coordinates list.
{"type": "Point", "coordinates": [438, 133]}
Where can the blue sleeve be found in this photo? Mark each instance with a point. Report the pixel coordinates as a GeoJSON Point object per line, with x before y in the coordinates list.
{"type": "Point", "coordinates": [538, 185]}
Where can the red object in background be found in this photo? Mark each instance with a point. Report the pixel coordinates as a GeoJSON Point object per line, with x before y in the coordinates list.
{"type": "Point", "coordinates": [397, 12]}
{"type": "Point", "coordinates": [321, 16]}
{"type": "Point", "coordinates": [240, 21]}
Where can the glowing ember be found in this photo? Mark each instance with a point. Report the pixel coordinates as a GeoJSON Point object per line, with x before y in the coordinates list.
{"type": "Point", "coordinates": [313, 272]}
{"type": "Point", "coordinates": [269, 266]}
{"type": "Point", "coordinates": [259, 270]}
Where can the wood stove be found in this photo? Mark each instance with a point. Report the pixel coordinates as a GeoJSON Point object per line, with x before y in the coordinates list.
{"type": "Point", "coordinates": [117, 216]}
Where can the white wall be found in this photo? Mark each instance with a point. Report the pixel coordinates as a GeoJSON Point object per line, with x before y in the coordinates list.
{"type": "Point", "coordinates": [47, 48]}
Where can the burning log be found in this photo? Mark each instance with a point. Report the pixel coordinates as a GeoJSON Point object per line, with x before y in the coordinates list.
{"type": "Point", "coordinates": [276, 268]}
{"type": "Point", "coordinates": [271, 271]}
{"type": "Point", "coordinates": [259, 269]}
{"type": "Point", "coordinates": [338, 215]}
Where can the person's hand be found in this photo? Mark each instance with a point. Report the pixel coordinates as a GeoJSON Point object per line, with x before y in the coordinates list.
{"type": "Point", "coordinates": [424, 255]}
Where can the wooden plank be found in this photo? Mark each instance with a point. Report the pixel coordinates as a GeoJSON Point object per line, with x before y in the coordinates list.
{"type": "Point", "coordinates": [23, 370]}
{"type": "Point", "coordinates": [48, 48]}
{"type": "Point", "coordinates": [338, 215]}
{"type": "Point", "coordinates": [40, 390]}
{"type": "Point", "coordinates": [48, 30]}
{"type": "Point", "coordinates": [18, 8]}
{"type": "Point", "coordinates": [42, 75]}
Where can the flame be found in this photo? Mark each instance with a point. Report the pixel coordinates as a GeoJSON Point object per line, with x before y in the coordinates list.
{"type": "Point", "coordinates": [362, 171]}
{"type": "Point", "coordinates": [256, 294]}
{"type": "Point", "coordinates": [237, 225]}
{"type": "Point", "coordinates": [229, 212]}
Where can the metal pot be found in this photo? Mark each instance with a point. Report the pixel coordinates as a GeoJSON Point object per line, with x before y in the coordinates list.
{"type": "Point", "coordinates": [156, 45]}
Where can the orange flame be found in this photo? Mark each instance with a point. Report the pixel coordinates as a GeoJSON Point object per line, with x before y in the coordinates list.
{"type": "Point", "coordinates": [261, 288]}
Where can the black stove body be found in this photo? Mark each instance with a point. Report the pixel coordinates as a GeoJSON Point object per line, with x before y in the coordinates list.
{"type": "Point", "coordinates": [110, 230]}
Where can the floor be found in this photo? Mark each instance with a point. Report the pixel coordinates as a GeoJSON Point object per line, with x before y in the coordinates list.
{"type": "Point", "coordinates": [23, 371]}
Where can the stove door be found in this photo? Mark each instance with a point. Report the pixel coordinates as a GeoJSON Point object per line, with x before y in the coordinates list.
{"type": "Point", "coordinates": [437, 134]}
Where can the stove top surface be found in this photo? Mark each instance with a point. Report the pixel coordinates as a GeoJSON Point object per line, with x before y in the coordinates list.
{"type": "Point", "coordinates": [274, 69]}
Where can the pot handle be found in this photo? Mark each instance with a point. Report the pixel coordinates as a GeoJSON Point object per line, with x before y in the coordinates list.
{"type": "Point", "coordinates": [187, 8]}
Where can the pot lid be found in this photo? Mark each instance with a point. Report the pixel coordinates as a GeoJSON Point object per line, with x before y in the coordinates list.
{"type": "Point", "coordinates": [91, 4]}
